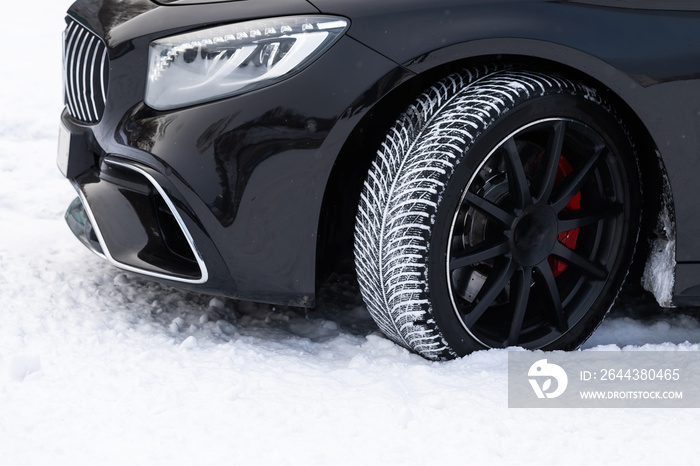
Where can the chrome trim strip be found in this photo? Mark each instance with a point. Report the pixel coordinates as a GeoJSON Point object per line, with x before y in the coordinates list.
{"type": "Point", "coordinates": [91, 218]}
{"type": "Point", "coordinates": [200, 262]}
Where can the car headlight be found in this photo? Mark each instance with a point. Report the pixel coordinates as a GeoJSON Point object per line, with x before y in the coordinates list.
{"type": "Point", "coordinates": [227, 60]}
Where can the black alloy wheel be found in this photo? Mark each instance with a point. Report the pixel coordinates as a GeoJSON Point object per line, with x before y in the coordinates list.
{"type": "Point", "coordinates": [527, 244]}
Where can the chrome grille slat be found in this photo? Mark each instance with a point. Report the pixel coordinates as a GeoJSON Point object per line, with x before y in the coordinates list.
{"type": "Point", "coordinates": [103, 75]}
{"type": "Point", "coordinates": [85, 73]}
{"type": "Point", "coordinates": [92, 79]}
{"type": "Point", "coordinates": [80, 95]}
{"type": "Point", "coordinates": [67, 51]}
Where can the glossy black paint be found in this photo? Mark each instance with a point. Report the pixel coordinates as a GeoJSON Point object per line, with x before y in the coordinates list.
{"type": "Point", "coordinates": [258, 177]}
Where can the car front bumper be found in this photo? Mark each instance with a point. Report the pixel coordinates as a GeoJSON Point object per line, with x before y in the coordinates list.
{"type": "Point", "coordinates": [223, 197]}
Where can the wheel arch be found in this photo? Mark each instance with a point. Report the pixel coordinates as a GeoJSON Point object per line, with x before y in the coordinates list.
{"type": "Point", "coordinates": [341, 197]}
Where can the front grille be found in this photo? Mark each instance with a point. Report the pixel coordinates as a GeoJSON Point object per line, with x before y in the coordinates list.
{"type": "Point", "coordinates": [85, 73]}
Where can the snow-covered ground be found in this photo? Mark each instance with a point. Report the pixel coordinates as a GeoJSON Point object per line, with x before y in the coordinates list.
{"type": "Point", "coordinates": [101, 367]}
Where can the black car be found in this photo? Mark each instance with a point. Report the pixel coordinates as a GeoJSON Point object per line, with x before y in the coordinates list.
{"type": "Point", "coordinates": [494, 169]}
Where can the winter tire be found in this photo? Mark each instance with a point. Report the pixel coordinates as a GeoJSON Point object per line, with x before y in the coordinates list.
{"type": "Point", "coordinates": [502, 209]}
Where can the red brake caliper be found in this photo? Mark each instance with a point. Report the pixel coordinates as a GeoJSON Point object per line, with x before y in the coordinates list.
{"type": "Point", "coordinates": [567, 238]}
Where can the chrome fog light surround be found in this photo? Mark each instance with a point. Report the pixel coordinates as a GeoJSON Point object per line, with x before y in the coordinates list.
{"type": "Point", "coordinates": [204, 274]}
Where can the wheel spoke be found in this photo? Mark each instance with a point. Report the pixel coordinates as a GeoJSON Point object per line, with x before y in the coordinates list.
{"type": "Point", "coordinates": [571, 185]}
{"type": "Point", "coordinates": [571, 257]}
{"type": "Point", "coordinates": [550, 285]}
{"type": "Point", "coordinates": [553, 154]}
{"type": "Point", "coordinates": [490, 209]}
{"type": "Point", "coordinates": [482, 252]}
{"type": "Point", "coordinates": [517, 180]}
{"type": "Point", "coordinates": [494, 284]}
{"type": "Point", "coordinates": [520, 290]}
{"type": "Point", "coordinates": [581, 218]}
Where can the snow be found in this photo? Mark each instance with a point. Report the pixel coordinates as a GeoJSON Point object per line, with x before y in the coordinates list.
{"type": "Point", "coordinates": [659, 271]}
{"type": "Point", "coordinates": [99, 366]}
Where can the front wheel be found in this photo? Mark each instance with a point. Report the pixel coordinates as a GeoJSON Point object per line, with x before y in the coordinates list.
{"type": "Point", "coordinates": [501, 210]}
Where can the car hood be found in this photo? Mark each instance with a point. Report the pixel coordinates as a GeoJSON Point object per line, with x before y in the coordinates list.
{"type": "Point", "coordinates": [120, 21]}
{"type": "Point", "coordinates": [191, 2]}
{"type": "Point", "coordinates": [271, 3]}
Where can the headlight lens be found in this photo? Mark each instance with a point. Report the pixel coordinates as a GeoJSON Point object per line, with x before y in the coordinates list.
{"type": "Point", "coordinates": [228, 60]}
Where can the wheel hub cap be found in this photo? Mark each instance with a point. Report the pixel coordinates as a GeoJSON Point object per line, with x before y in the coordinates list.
{"type": "Point", "coordinates": [534, 234]}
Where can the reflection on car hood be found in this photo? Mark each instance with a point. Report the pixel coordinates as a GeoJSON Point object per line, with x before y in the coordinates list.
{"type": "Point", "coordinates": [119, 21]}
{"type": "Point", "coordinates": [191, 2]}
